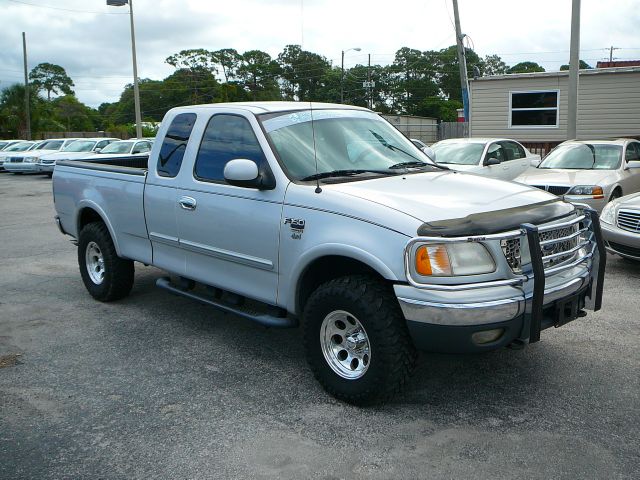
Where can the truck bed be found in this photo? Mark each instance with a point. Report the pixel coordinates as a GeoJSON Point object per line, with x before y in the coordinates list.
{"type": "Point", "coordinates": [114, 189]}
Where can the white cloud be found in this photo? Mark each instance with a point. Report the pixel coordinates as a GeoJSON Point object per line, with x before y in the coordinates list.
{"type": "Point", "coordinates": [95, 48]}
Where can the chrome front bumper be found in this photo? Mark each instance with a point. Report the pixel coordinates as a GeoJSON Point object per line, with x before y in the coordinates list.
{"type": "Point", "coordinates": [527, 304]}
{"type": "Point", "coordinates": [621, 242]}
{"type": "Point", "coordinates": [21, 167]}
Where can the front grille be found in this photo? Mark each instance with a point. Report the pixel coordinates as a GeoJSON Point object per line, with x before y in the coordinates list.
{"type": "Point", "coordinates": [47, 162]}
{"type": "Point", "coordinates": [555, 189]}
{"type": "Point", "coordinates": [625, 249]}
{"type": "Point", "coordinates": [15, 160]}
{"type": "Point", "coordinates": [556, 245]}
{"type": "Point", "coordinates": [629, 220]}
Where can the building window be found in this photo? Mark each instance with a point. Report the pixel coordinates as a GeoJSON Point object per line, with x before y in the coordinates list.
{"type": "Point", "coordinates": [535, 109]}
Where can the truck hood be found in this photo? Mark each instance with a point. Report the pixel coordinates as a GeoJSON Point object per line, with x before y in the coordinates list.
{"type": "Point", "coordinates": [464, 168]}
{"type": "Point", "coordinates": [567, 177]}
{"type": "Point", "coordinates": [436, 196]}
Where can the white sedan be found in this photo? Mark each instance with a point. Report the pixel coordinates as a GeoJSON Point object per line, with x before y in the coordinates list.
{"type": "Point", "coordinates": [492, 157]}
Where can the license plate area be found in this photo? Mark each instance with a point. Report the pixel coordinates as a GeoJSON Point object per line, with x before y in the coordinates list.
{"type": "Point", "coordinates": [568, 309]}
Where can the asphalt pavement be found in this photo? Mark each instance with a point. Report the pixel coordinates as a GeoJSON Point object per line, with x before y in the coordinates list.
{"type": "Point", "coordinates": [157, 386]}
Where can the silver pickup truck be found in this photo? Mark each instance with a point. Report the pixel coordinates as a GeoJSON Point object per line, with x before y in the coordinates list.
{"type": "Point", "coordinates": [325, 215]}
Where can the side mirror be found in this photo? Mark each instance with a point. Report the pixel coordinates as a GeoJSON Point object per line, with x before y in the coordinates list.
{"type": "Point", "coordinates": [429, 152]}
{"type": "Point", "coordinates": [534, 163]}
{"type": "Point", "coordinates": [491, 161]}
{"type": "Point", "coordinates": [245, 173]}
{"type": "Point", "coordinates": [97, 150]}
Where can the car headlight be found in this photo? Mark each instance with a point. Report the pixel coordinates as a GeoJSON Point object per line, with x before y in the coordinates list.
{"type": "Point", "coordinates": [446, 260]}
{"type": "Point", "coordinates": [30, 159]}
{"type": "Point", "coordinates": [594, 190]}
{"type": "Point", "coordinates": [608, 214]}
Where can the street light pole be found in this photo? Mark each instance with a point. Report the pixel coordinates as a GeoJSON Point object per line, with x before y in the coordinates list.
{"type": "Point", "coordinates": [357, 49]}
{"type": "Point", "coordinates": [136, 91]}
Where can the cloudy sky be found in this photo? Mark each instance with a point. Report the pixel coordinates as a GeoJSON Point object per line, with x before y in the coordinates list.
{"type": "Point", "coordinates": [92, 41]}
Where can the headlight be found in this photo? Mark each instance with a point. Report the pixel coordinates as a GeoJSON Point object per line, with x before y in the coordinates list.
{"type": "Point", "coordinates": [594, 190]}
{"type": "Point", "coordinates": [608, 214]}
{"type": "Point", "coordinates": [30, 159]}
{"type": "Point", "coordinates": [446, 260]}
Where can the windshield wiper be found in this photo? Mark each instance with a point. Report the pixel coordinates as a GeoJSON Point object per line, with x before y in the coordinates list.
{"type": "Point", "coordinates": [341, 173]}
{"type": "Point", "coordinates": [417, 163]}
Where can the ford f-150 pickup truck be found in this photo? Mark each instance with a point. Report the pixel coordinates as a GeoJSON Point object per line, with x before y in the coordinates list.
{"type": "Point", "coordinates": [327, 216]}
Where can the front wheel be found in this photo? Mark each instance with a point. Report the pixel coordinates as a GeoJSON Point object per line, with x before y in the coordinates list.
{"type": "Point", "coordinates": [106, 276]}
{"type": "Point", "coordinates": [356, 340]}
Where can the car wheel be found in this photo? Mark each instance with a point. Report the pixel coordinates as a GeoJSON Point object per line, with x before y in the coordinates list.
{"type": "Point", "coordinates": [106, 276]}
{"type": "Point", "coordinates": [356, 340]}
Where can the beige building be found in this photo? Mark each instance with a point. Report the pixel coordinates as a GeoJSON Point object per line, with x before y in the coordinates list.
{"type": "Point", "coordinates": [532, 107]}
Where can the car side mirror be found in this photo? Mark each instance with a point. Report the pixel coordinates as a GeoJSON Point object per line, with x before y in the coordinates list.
{"type": "Point", "coordinates": [245, 173]}
{"type": "Point", "coordinates": [429, 152]}
{"type": "Point", "coordinates": [633, 164]}
{"type": "Point", "coordinates": [491, 161]}
{"type": "Point", "coordinates": [97, 150]}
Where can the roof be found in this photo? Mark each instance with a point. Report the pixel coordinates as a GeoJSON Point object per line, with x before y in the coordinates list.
{"type": "Point", "coordinates": [268, 107]}
{"type": "Point", "coordinates": [563, 73]}
{"type": "Point", "coordinates": [619, 141]}
{"type": "Point", "coordinates": [474, 140]}
{"type": "Point", "coordinates": [618, 63]}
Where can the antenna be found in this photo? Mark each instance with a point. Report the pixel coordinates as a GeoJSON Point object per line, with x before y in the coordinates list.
{"type": "Point", "coordinates": [315, 154]}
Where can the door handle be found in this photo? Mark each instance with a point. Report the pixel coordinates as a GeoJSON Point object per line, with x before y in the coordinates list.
{"type": "Point", "coordinates": [187, 203]}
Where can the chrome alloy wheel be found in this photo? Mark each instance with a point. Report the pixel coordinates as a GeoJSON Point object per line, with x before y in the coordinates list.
{"type": "Point", "coordinates": [95, 263]}
{"type": "Point", "coordinates": [345, 345]}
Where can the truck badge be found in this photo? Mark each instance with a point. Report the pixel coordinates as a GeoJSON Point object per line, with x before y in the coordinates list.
{"type": "Point", "coordinates": [297, 227]}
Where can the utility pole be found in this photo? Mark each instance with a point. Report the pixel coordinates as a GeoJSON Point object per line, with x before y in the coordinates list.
{"type": "Point", "coordinates": [462, 60]}
{"type": "Point", "coordinates": [611, 53]}
{"type": "Point", "coordinates": [27, 110]}
{"type": "Point", "coordinates": [369, 82]}
{"type": "Point", "coordinates": [574, 64]}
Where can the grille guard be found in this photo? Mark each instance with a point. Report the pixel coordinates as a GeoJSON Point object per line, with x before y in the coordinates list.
{"type": "Point", "coordinates": [534, 304]}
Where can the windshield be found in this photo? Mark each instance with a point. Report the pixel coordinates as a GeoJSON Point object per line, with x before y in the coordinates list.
{"type": "Point", "coordinates": [117, 147]}
{"type": "Point", "coordinates": [51, 145]}
{"type": "Point", "coordinates": [18, 147]}
{"type": "Point", "coordinates": [584, 156]}
{"type": "Point", "coordinates": [80, 146]}
{"type": "Point", "coordinates": [3, 145]}
{"type": "Point", "coordinates": [458, 153]}
{"type": "Point", "coordinates": [346, 142]}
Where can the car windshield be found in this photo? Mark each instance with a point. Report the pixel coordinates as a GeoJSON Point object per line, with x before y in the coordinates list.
{"type": "Point", "coordinates": [117, 147]}
{"type": "Point", "coordinates": [51, 145]}
{"type": "Point", "coordinates": [18, 147]}
{"type": "Point", "coordinates": [80, 146]}
{"type": "Point", "coordinates": [458, 153]}
{"type": "Point", "coordinates": [339, 143]}
{"type": "Point", "coordinates": [584, 156]}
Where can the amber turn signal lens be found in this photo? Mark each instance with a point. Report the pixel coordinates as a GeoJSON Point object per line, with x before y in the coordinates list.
{"type": "Point", "coordinates": [432, 260]}
{"type": "Point", "coordinates": [598, 193]}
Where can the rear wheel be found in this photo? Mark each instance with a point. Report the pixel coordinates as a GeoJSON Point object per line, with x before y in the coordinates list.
{"type": "Point", "coordinates": [106, 276]}
{"type": "Point", "coordinates": [356, 340]}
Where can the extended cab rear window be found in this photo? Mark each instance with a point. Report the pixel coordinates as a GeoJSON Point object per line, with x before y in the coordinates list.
{"type": "Point", "coordinates": [174, 144]}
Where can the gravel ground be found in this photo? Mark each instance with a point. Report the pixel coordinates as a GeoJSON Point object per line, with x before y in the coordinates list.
{"type": "Point", "coordinates": [157, 386]}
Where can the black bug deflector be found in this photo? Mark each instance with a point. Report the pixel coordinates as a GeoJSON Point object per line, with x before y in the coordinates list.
{"type": "Point", "coordinates": [497, 221]}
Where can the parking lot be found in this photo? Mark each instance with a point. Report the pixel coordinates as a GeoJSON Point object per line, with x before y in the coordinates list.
{"type": "Point", "coordinates": [156, 386]}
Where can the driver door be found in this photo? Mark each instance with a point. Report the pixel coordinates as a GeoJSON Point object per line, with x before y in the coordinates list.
{"type": "Point", "coordinates": [501, 170]}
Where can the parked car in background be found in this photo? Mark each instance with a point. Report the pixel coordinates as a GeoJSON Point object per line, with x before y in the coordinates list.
{"type": "Point", "coordinates": [124, 147]}
{"type": "Point", "coordinates": [6, 143]}
{"type": "Point", "coordinates": [492, 157]}
{"type": "Point", "coordinates": [621, 226]}
{"type": "Point", "coordinates": [589, 171]}
{"type": "Point", "coordinates": [27, 162]}
{"type": "Point", "coordinates": [78, 149]}
{"type": "Point", "coordinates": [15, 148]}
{"type": "Point", "coordinates": [426, 149]}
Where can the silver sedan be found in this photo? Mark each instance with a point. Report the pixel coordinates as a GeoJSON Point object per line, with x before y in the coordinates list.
{"type": "Point", "coordinates": [620, 222]}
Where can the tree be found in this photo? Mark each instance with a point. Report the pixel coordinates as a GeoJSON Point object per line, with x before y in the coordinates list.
{"type": "Point", "coordinates": [525, 67]}
{"type": "Point", "coordinates": [75, 115]}
{"type": "Point", "coordinates": [52, 78]}
{"type": "Point", "coordinates": [229, 60]}
{"type": "Point", "coordinates": [582, 66]}
{"type": "Point", "coordinates": [194, 59]}
{"type": "Point", "coordinates": [302, 73]}
{"type": "Point", "coordinates": [257, 73]}
{"type": "Point", "coordinates": [493, 65]}
{"type": "Point", "coordinates": [449, 70]}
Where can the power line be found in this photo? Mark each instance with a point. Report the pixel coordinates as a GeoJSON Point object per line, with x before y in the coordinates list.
{"type": "Point", "coordinates": [64, 9]}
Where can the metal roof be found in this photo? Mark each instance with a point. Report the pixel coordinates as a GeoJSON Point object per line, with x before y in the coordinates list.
{"type": "Point", "coordinates": [563, 73]}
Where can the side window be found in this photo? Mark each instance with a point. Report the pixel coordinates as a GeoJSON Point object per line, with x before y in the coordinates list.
{"type": "Point", "coordinates": [101, 144]}
{"type": "Point", "coordinates": [633, 152]}
{"type": "Point", "coordinates": [141, 147]}
{"type": "Point", "coordinates": [513, 150]}
{"type": "Point", "coordinates": [496, 151]}
{"type": "Point", "coordinates": [226, 137]}
{"type": "Point", "coordinates": [174, 144]}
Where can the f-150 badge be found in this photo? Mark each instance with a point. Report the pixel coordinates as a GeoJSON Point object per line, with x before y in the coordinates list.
{"type": "Point", "coordinates": [297, 227]}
